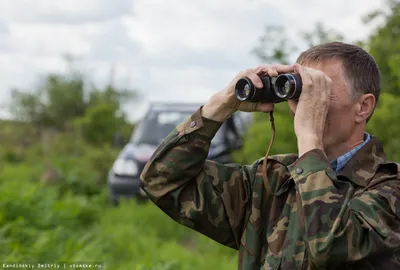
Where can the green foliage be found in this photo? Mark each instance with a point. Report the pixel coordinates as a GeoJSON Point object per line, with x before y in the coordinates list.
{"type": "Point", "coordinates": [64, 102]}
{"type": "Point", "coordinates": [320, 34]}
{"type": "Point", "coordinates": [110, 96]}
{"type": "Point", "coordinates": [41, 223]}
{"type": "Point", "coordinates": [274, 46]}
{"type": "Point", "coordinates": [384, 45]}
{"type": "Point", "coordinates": [100, 124]}
{"type": "Point", "coordinates": [384, 124]}
{"type": "Point", "coordinates": [56, 101]}
{"type": "Point", "coordinates": [80, 161]}
{"type": "Point", "coordinates": [16, 133]}
{"type": "Point", "coordinates": [36, 225]}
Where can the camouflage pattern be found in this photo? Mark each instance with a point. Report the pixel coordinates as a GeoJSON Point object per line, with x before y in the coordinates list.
{"type": "Point", "coordinates": [314, 219]}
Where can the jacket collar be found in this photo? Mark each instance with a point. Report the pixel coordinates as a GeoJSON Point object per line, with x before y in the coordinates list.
{"type": "Point", "coordinates": [362, 167]}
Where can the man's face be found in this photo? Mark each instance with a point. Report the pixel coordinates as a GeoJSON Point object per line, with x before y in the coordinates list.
{"type": "Point", "coordinates": [340, 121]}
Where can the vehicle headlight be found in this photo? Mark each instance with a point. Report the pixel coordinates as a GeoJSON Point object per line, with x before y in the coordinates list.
{"type": "Point", "coordinates": [125, 167]}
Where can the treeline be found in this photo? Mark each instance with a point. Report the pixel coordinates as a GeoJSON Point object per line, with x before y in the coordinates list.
{"type": "Point", "coordinates": [70, 102]}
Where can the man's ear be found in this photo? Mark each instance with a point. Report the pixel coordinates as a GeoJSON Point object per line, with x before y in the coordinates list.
{"type": "Point", "coordinates": [366, 107]}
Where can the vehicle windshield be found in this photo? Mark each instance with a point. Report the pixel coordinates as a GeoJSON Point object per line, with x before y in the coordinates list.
{"type": "Point", "coordinates": [156, 126]}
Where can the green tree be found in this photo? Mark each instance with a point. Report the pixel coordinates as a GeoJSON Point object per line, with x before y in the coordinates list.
{"type": "Point", "coordinates": [56, 101]}
{"type": "Point", "coordinates": [384, 124]}
{"type": "Point", "coordinates": [384, 44]}
{"type": "Point", "coordinates": [274, 46]}
{"type": "Point", "coordinates": [101, 123]}
{"type": "Point", "coordinates": [26, 106]}
{"type": "Point", "coordinates": [320, 34]}
{"type": "Point", "coordinates": [104, 120]}
{"type": "Point", "coordinates": [64, 101]}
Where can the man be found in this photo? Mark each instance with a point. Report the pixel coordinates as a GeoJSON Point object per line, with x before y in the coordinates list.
{"type": "Point", "coordinates": [335, 205]}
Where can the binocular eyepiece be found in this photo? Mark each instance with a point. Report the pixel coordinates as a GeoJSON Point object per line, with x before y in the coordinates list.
{"type": "Point", "coordinates": [274, 90]}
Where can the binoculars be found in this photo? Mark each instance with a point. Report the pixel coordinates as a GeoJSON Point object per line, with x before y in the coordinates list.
{"type": "Point", "coordinates": [274, 90]}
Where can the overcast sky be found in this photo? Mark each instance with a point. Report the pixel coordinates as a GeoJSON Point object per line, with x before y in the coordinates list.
{"type": "Point", "coordinates": [175, 50]}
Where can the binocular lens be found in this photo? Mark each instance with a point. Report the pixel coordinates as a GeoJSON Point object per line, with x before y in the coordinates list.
{"type": "Point", "coordinates": [288, 86]}
{"type": "Point", "coordinates": [244, 89]}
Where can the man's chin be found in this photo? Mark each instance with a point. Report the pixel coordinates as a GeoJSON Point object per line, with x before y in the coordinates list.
{"type": "Point", "coordinates": [292, 113]}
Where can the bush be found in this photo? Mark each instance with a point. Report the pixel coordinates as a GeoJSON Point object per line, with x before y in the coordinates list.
{"type": "Point", "coordinates": [58, 223]}
{"type": "Point", "coordinates": [384, 125]}
{"type": "Point", "coordinates": [72, 164]}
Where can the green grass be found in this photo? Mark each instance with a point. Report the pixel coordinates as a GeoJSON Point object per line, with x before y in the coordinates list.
{"type": "Point", "coordinates": [42, 223]}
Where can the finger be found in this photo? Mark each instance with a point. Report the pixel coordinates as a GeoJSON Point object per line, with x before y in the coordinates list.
{"type": "Point", "coordinates": [262, 68]}
{"type": "Point", "coordinates": [255, 79]}
{"type": "Point", "coordinates": [254, 106]}
{"type": "Point", "coordinates": [320, 83]}
{"type": "Point", "coordinates": [248, 106]}
{"type": "Point", "coordinates": [257, 106]}
{"type": "Point", "coordinates": [250, 74]}
{"type": "Point", "coordinates": [292, 106]}
{"type": "Point", "coordinates": [284, 68]}
{"type": "Point", "coordinates": [266, 70]}
{"type": "Point", "coordinates": [273, 70]}
{"type": "Point", "coordinates": [250, 70]}
{"type": "Point", "coordinates": [317, 76]}
{"type": "Point", "coordinates": [265, 107]}
{"type": "Point", "coordinates": [304, 74]}
{"type": "Point", "coordinates": [328, 83]}
{"type": "Point", "coordinates": [327, 86]}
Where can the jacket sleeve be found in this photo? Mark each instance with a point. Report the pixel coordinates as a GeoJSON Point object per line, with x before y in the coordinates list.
{"type": "Point", "coordinates": [340, 227]}
{"type": "Point", "coordinates": [206, 196]}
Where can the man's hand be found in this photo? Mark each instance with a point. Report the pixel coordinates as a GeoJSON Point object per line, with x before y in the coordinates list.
{"type": "Point", "coordinates": [224, 103]}
{"type": "Point", "coordinates": [311, 109]}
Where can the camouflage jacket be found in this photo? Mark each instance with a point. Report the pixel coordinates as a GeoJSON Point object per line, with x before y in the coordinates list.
{"type": "Point", "coordinates": [314, 219]}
